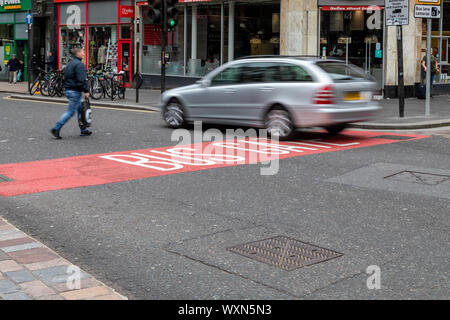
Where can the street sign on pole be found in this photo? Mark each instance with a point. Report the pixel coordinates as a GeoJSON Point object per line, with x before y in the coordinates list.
{"type": "Point", "coordinates": [432, 2]}
{"type": "Point", "coordinates": [397, 12]}
{"type": "Point", "coordinates": [29, 18]}
{"type": "Point", "coordinates": [428, 71]}
{"type": "Point", "coordinates": [427, 11]}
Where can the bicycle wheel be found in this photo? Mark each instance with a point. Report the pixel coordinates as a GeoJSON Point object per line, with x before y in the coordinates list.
{"type": "Point", "coordinates": [59, 87]}
{"type": "Point", "coordinates": [121, 88]}
{"type": "Point", "coordinates": [96, 89]}
{"type": "Point", "coordinates": [108, 89]}
{"type": "Point", "coordinates": [52, 87]}
{"type": "Point", "coordinates": [34, 87]}
{"type": "Point", "coordinates": [45, 85]}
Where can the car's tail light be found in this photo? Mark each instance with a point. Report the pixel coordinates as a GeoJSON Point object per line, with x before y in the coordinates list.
{"type": "Point", "coordinates": [324, 95]}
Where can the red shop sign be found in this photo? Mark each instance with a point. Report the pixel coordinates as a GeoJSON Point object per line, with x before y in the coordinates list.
{"type": "Point", "coordinates": [351, 8]}
{"type": "Point", "coordinates": [126, 11]}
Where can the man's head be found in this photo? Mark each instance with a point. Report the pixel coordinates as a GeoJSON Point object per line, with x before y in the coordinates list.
{"type": "Point", "coordinates": [50, 53]}
{"type": "Point", "coordinates": [13, 56]}
{"type": "Point", "coordinates": [78, 52]}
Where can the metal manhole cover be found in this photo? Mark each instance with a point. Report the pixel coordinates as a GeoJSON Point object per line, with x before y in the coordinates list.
{"type": "Point", "coordinates": [393, 137]}
{"type": "Point", "coordinates": [4, 179]}
{"type": "Point", "coordinates": [285, 253]}
{"type": "Point", "coordinates": [430, 179]}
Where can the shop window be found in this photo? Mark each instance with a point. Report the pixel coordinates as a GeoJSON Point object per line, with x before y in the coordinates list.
{"type": "Point", "coordinates": [101, 53]}
{"type": "Point", "coordinates": [7, 18]}
{"type": "Point", "coordinates": [151, 46]}
{"type": "Point", "coordinates": [257, 29]}
{"type": "Point", "coordinates": [206, 55]}
{"type": "Point", "coordinates": [6, 32]}
{"type": "Point", "coordinates": [70, 38]}
{"type": "Point", "coordinates": [20, 17]}
{"type": "Point", "coordinates": [125, 31]}
{"type": "Point", "coordinates": [21, 31]}
{"type": "Point", "coordinates": [355, 36]}
{"type": "Point", "coordinates": [440, 42]}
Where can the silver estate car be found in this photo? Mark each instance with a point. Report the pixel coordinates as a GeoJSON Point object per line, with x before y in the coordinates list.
{"type": "Point", "coordinates": [277, 93]}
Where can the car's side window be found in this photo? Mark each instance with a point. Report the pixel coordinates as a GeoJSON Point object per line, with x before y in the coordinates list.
{"type": "Point", "coordinates": [294, 73]}
{"type": "Point", "coordinates": [231, 75]}
{"type": "Point", "coordinates": [272, 73]}
{"type": "Point", "coordinates": [252, 73]}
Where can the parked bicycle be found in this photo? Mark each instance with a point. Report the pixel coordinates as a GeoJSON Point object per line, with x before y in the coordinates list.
{"type": "Point", "coordinates": [104, 84]}
{"type": "Point", "coordinates": [47, 83]}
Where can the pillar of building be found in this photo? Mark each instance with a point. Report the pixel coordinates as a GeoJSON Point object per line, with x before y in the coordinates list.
{"type": "Point", "coordinates": [231, 31]}
{"type": "Point", "coordinates": [412, 55]}
{"type": "Point", "coordinates": [299, 27]}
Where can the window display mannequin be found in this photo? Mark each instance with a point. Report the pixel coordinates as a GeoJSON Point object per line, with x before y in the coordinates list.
{"type": "Point", "coordinates": [101, 56]}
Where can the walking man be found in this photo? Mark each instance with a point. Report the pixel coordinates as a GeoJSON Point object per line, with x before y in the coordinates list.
{"type": "Point", "coordinates": [77, 88]}
{"type": "Point", "coordinates": [13, 67]}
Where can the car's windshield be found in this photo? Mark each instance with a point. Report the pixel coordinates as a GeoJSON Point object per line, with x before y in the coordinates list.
{"type": "Point", "coordinates": [340, 72]}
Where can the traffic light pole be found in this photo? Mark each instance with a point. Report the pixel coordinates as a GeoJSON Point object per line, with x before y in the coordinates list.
{"type": "Point", "coordinates": [163, 45]}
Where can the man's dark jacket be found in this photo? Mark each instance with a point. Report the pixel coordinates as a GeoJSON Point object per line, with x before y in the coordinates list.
{"type": "Point", "coordinates": [51, 63]}
{"type": "Point", "coordinates": [75, 77]}
{"type": "Point", "coordinates": [13, 64]}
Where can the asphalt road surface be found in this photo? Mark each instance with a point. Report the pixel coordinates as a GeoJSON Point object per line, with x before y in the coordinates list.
{"type": "Point", "coordinates": [167, 235]}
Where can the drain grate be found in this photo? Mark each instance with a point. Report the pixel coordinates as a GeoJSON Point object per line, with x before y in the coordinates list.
{"type": "Point", "coordinates": [419, 177]}
{"type": "Point", "coordinates": [285, 253]}
{"type": "Point", "coordinates": [4, 179]}
{"type": "Point", "coordinates": [393, 137]}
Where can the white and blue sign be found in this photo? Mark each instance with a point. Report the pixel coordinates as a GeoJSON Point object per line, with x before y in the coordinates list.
{"type": "Point", "coordinates": [29, 18]}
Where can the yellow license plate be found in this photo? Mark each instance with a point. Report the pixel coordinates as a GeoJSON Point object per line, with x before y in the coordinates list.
{"type": "Point", "coordinates": [352, 96]}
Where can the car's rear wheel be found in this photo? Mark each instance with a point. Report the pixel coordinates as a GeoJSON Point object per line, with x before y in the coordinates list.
{"type": "Point", "coordinates": [174, 115]}
{"type": "Point", "coordinates": [336, 129]}
{"type": "Point", "coordinates": [279, 124]}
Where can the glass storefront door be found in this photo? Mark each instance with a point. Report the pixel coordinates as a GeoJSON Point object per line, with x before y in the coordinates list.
{"type": "Point", "coordinates": [354, 34]}
{"type": "Point", "coordinates": [125, 60]}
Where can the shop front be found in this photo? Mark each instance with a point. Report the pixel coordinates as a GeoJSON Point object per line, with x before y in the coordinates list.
{"type": "Point", "coordinates": [209, 34]}
{"type": "Point", "coordinates": [354, 33]}
{"type": "Point", "coordinates": [440, 42]}
{"type": "Point", "coordinates": [13, 34]}
{"type": "Point", "coordinates": [101, 28]}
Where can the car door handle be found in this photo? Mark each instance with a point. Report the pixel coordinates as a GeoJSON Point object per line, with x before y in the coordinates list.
{"type": "Point", "coordinates": [230, 91]}
{"type": "Point", "coordinates": [266, 89]}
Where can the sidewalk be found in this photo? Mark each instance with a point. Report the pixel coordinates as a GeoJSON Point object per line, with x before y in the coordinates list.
{"type": "Point", "coordinates": [148, 99]}
{"type": "Point", "coordinates": [388, 119]}
{"type": "Point", "coordinates": [31, 271]}
{"type": "Point", "coordinates": [414, 114]}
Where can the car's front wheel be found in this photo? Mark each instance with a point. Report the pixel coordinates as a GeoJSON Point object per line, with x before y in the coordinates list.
{"type": "Point", "coordinates": [279, 124]}
{"type": "Point", "coordinates": [174, 115]}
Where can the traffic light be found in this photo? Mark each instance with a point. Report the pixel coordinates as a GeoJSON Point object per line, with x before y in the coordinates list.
{"type": "Point", "coordinates": [172, 14]}
{"type": "Point", "coordinates": [154, 11]}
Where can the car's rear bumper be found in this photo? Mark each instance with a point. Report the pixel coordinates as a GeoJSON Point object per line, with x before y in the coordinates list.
{"type": "Point", "coordinates": [329, 116]}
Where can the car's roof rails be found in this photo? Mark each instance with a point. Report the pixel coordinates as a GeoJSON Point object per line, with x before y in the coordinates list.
{"type": "Point", "coordinates": [283, 56]}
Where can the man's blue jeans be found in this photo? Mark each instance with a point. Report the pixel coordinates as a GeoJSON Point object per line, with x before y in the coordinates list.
{"type": "Point", "coordinates": [75, 105]}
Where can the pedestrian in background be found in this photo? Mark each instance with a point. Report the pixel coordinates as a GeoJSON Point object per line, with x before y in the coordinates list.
{"type": "Point", "coordinates": [77, 88]}
{"type": "Point", "coordinates": [434, 67]}
{"type": "Point", "coordinates": [13, 67]}
{"type": "Point", "coordinates": [50, 62]}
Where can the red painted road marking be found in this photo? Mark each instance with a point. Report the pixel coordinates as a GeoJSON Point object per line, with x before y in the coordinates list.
{"type": "Point", "coordinates": [83, 171]}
